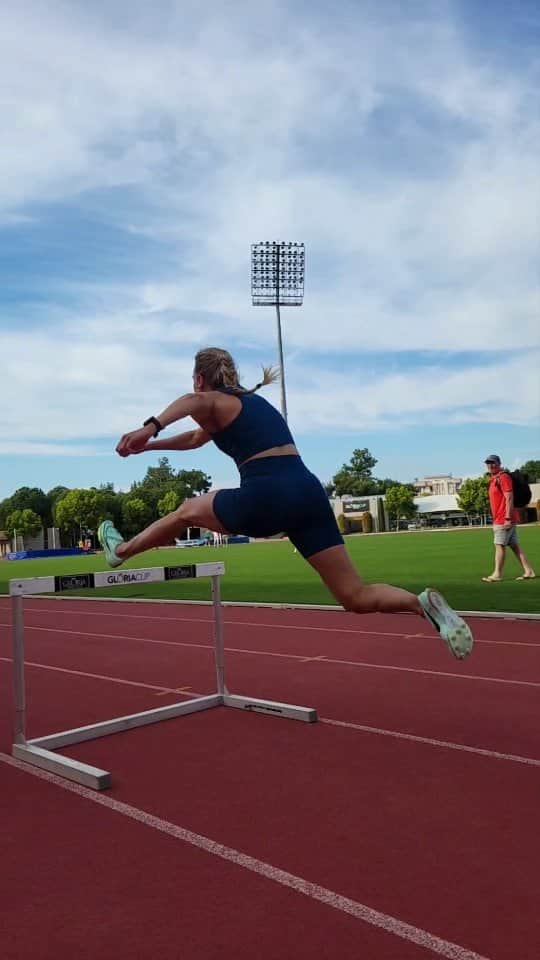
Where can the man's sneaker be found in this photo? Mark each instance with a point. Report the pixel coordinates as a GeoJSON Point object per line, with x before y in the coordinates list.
{"type": "Point", "coordinates": [109, 539]}
{"type": "Point", "coordinates": [451, 627]}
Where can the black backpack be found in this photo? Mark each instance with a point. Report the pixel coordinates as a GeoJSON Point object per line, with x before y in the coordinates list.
{"type": "Point", "coordinates": [520, 487]}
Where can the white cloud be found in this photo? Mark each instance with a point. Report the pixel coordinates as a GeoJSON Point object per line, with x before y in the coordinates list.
{"type": "Point", "coordinates": [505, 392]}
{"type": "Point", "coordinates": [100, 380]}
{"type": "Point", "coordinates": [31, 448]}
{"type": "Point", "coordinates": [402, 155]}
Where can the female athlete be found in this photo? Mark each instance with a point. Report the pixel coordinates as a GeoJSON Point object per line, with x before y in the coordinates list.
{"type": "Point", "coordinates": [277, 493]}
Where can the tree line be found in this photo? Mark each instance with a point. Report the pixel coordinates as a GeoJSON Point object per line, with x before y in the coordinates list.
{"type": "Point", "coordinates": [78, 512]}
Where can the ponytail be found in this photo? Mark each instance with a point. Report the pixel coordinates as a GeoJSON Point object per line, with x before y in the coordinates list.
{"type": "Point", "coordinates": [270, 375]}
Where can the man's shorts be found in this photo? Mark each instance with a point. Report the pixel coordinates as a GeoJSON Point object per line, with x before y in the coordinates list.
{"type": "Point", "coordinates": [280, 495]}
{"type": "Point", "coordinates": [503, 537]}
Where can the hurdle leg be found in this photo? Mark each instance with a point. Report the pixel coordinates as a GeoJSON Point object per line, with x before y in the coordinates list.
{"type": "Point", "coordinates": [271, 708]}
{"type": "Point", "coordinates": [219, 651]}
{"type": "Point", "coordinates": [18, 669]}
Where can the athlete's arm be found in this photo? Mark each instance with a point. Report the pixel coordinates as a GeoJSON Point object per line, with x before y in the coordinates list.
{"type": "Point", "coordinates": [190, 405]}
{"type": "Point", "coordinates": [189, 440]}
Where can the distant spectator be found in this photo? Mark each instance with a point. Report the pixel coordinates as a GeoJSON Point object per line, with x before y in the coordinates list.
{"type": "Point", "coordinates": [505, 517]}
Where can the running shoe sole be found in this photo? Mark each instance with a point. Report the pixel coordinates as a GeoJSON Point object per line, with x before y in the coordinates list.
{"type": "Point", "coordinates": [453, 630]}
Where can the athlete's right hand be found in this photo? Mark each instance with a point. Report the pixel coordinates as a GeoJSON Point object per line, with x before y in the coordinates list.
{"type": "Point", "coordinates": [135, 441]}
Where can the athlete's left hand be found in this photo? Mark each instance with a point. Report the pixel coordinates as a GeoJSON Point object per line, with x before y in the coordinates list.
{"type": "Point", "coordinates": [135, 441]}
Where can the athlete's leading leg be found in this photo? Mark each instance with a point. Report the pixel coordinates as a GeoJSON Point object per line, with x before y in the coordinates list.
{"type": "Point", "coordinates": [196, 512]}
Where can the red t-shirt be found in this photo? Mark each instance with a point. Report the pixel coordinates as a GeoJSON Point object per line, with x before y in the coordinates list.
{"type": "Point", "coordinates": [500, 484]}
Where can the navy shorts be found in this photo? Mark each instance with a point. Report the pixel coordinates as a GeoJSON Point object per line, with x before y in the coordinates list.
{"type": "Point", "coordinates": [279, 495]}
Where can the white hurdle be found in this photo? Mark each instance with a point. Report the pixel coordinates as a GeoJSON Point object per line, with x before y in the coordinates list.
{"type": "Point", "coordinates": [38, 751]}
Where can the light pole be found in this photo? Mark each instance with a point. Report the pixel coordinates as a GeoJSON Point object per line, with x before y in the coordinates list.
{"type": "Point", "coordinates": [277, 279]}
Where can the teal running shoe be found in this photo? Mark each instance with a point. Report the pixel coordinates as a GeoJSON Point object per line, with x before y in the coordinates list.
{"type": "Point", "coordinates": [452, 628]}
{"type": "Point", "coordinates": [110, 539]}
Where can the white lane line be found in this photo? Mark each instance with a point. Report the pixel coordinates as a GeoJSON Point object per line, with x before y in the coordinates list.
{"type": "Point", "coordinates": [360, 911]}
{"type": "Point", "coordinates": [378, 731]}
{"type": "Point", "coordinates": [94, 676]}
{"type": "Point", "coordinates": [261, 605]}
{"type": "Point", "coordinates": [429, 741]}
{"type": "Point", "coordinates": [209, 620]}
{"type": "Point", "coordinates": [431, 673]}
{"type": "Point", "coordinates": [271, 626]}
{"type": "Point", "coordinates": [364, 665]}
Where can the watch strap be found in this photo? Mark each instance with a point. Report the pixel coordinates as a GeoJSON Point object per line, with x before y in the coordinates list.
{"type": "Point", "coordinates": [155, 422]}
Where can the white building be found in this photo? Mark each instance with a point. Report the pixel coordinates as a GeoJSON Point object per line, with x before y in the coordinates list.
{"type": "Point", "coordinates": [440, 484]}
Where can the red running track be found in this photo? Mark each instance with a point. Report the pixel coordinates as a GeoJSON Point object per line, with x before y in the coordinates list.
{"type": "Point", "coordinates": [404, 825]}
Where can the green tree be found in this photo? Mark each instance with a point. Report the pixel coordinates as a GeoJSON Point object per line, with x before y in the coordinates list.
{"type": "Point", "coordinates": [154, 485]}
{"type": "Point", "coordinates": [168, 503]}
{"type": "Point", "coordinates": [56, 494]}
{"type": "Point", "coordinates": [25, 523]}
{"type": "Point", "coordinates": [80, 511]}
{"type": "Point", "coordinates": [192, 483]}
{"type": "Point", "coordinates": [136, 515]}
{"type": "Point", "coordinates": [5, 510]}
{"type": "Point", "coordinates": [531, 469]}
{"type": "Point", "coordinates": [355, 478]}
{"type": "Point", "coordinates": [466, 497]}
{"type": "Point", "coordinates": [110, 502]}
{"type": "Point", "coordinates": [399, 500]}
{"type": "Point", "coordinates": [473, 498]}
{"type": "Point", "coordinates": [162, 479]}
{"type": "Point", "coordinates": [387, 483]}
{"type": "Point", "coordinates": [26, 498]}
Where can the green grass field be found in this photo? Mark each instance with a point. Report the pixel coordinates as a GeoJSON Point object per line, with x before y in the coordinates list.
{"type": "Point", "coordinates": [454, 561]}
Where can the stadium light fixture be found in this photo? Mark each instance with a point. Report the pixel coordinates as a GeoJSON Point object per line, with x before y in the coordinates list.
{"type": "Point", "coordinates": [277, 279]}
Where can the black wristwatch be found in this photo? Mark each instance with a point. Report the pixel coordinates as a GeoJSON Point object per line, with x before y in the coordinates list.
{"type": "Point", "coordinates": [156, 424]}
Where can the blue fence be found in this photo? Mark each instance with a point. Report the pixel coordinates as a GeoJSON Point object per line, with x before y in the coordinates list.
{"type": "Point", "coordinates": [34, 554]}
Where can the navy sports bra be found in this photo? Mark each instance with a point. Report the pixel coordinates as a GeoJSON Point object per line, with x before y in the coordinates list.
{"type": "Point", "coordinates": [257, 427]}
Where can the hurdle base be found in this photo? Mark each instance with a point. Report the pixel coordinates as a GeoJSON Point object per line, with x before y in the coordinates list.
{"type": "Point", "coordinates": [96, 730]}
{"type": "Point", "coordinates": [65, 767]}
{"type": "Point", "coordinates": [271, 708]}
{"type": "Point", "coordinates": [38, 751]}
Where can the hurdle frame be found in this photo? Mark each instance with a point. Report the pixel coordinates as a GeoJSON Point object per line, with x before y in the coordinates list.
{"type": "Point", "coordinates": [38, 751]}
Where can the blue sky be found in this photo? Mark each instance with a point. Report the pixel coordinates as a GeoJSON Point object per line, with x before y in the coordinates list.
{"type": "Point", "coordinates": [146, 147]}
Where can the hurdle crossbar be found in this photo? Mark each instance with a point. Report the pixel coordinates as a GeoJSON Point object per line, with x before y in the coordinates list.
{"type": "Point", "coordinates": [39, 750]}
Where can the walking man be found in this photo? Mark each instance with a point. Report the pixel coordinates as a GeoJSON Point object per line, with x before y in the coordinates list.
{"type": "Point", "coordinates": [505, 517]}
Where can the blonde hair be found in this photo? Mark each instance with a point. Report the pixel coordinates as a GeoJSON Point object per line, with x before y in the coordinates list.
{"type": "Point", "coordinates": [219, 370]}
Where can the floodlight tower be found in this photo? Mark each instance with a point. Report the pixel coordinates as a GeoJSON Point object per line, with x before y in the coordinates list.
{"type": "Point", "coordinates": [277, 279]}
